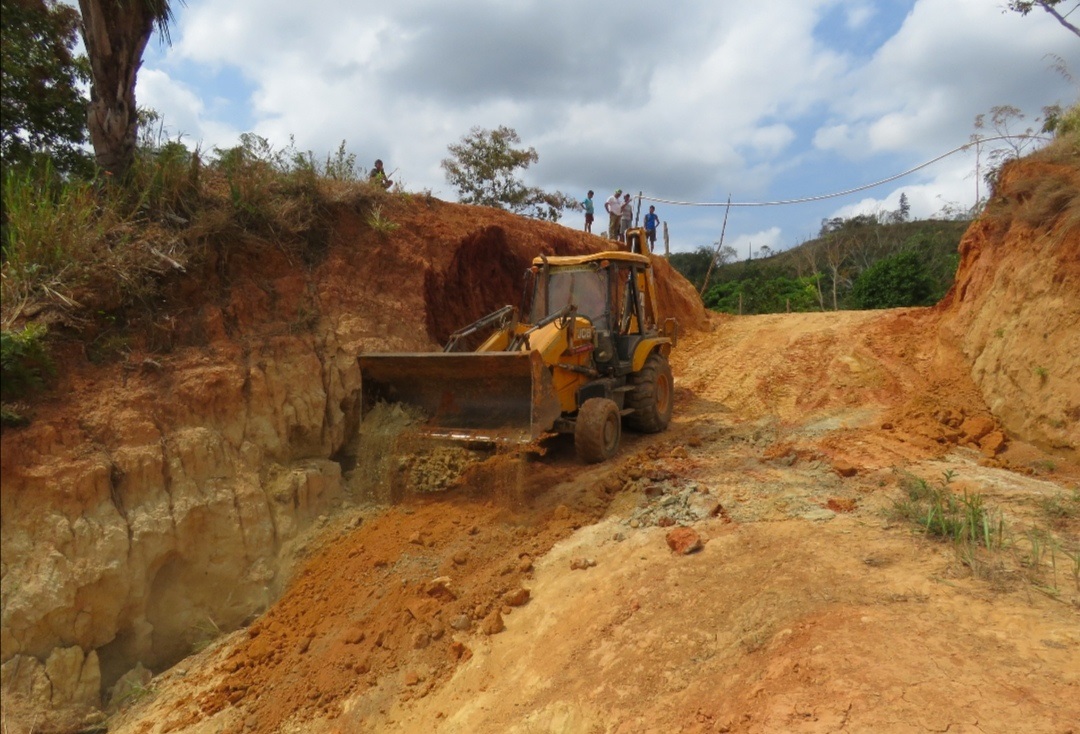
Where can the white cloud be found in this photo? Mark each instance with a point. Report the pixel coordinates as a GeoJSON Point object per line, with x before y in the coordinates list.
{"type": "Point", "coordinates": [754, 241]}
{"type": "Point", "coordinates": [716, 98]}
{"type": "Point", "coordinates": [183, 111]}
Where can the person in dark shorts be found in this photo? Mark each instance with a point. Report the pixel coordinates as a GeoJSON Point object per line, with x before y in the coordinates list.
{"type": "Point", "coordinates": [652, 221]}
{"type": "Point", "coordinates": [589, 211]}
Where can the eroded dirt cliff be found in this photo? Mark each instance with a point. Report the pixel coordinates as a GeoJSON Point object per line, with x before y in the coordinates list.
{"type": "Point", "coordinates": [152, 502]}
{"type": "Point", "coordinates": [1013, 309]}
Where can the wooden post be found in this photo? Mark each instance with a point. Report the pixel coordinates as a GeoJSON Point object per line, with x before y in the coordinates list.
{"type": "Point", "coordinates": [667, 250]}
{"type": "Point", "coordinates": [718, 246]}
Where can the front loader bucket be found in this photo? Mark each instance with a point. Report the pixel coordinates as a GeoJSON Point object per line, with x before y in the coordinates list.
{"type": "Point", "coordinates": [476, 396]}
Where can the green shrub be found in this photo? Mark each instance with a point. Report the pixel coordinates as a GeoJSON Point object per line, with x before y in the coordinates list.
{"type": "Point", "coordinates": [24, 361]}
{"type": "Point", "coordinates": [764, 294]}
{"type": "Point", "coordinates": [900, 280]}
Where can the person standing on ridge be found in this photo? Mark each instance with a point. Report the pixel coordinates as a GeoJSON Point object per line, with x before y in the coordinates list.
{"type": "Point", "coordinates": [626, 215]}
{"type": "Point", "coordinates": [378, 175]}
{"type": "Point", "coordinates": [588, 204]}
{"type": "Point", "coordinates": [614, 209]}
{"type": "Point", "coordinates": [652, 221]}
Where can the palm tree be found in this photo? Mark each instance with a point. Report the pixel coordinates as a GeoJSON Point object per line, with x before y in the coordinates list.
{"type": "Point", "coordinates": [115, 33]}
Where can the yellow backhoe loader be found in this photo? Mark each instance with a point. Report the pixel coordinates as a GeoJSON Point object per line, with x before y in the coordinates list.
{"type": "Point", "coordinates": [586, 350]}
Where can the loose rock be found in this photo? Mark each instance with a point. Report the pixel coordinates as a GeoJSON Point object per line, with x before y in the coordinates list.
{"type": "Point", "coordinates": [684, 541]}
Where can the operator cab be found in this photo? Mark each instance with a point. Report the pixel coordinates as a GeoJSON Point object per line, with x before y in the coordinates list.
{"type": "Point", "coordinates": [604, 289]}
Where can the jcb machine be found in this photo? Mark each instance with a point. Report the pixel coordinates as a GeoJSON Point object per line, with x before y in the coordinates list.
{"type": "Point", "coordinates": [587, 350]}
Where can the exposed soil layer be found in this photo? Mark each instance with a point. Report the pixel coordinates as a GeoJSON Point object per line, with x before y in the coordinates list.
{"type": "Point", "coordinates": [744, 571]}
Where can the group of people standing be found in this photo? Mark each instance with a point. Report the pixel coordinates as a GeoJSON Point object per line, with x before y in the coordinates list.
{"type": "Point", "coordinates": [618, 206]}
{"type": "Point", "coordinates": [620, 215]}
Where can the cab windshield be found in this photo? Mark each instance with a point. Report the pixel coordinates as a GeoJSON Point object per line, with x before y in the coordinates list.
{"type": "Point", "coordinates": [585, 287]}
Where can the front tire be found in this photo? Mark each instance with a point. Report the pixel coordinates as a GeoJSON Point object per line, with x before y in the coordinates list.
{"type": "Point", "coordinates": [598, 430]}
{"type": "Point", "coordinates": [652, 398]}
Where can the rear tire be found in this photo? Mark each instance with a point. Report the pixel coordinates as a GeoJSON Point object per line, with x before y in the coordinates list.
{"type": "Point", "coordinates": [598, 430]}
{"type": "Point", "coordinates": [652, 398]}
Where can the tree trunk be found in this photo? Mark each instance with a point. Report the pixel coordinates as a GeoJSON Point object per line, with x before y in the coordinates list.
{"type": "Point", "coordinates": [115, 33]}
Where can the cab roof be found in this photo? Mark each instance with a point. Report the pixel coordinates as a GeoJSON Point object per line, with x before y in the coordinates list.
{"type": "Point", "coordinates": [615, 255]}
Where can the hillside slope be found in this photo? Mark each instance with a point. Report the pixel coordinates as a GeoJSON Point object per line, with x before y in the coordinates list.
{"type": "Point", "coordinates": [1014, 308]}
{"type": "Point", "coordinates": [155, 497]}
{"type": "Point", "coordinates": [158, 503]}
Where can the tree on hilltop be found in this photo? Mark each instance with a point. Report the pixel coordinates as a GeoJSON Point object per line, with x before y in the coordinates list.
{"type": "Point", "coordinates": [482, 168]}
{"type": "Point", "coordinates": [115, 33]}
{"type": "Point", "coordinates": [1026, 6]}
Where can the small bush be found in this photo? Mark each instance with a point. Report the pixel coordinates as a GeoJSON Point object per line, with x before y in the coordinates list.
{"type": "Point", "coordinates": [380, 223]}
{"type": "Point", "coordinates": [24, 362]}
{"type": "Point", "coordinates": [900, 280]}
{"type": "Point", "coordinates": [1062, 506]}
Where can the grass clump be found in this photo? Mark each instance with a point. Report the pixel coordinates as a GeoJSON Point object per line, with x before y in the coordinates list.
{"type": "Point", "coordinates": [1062, 507]}
{"type": "Point", "coordinates": [379, 222]}
{"type": "Point", "coordinates": [982, 540]}
{"type": "Point", "coordinates": [940, 512]}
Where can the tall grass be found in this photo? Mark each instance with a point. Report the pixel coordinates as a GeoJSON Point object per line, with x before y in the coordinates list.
{"type": "Point", "coordinates": [51, 229]}
{"type": "Point", "coordinates": [96, 245]}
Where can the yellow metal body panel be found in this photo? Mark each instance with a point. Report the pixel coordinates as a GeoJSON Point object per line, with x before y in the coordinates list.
{"type": "Point", "coordinates": [614, 255]}
{"type": "Point", "coordinates": [646, 347]}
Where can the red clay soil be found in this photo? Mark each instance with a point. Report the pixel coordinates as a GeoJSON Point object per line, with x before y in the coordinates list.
{"type": "Point", "coordinates": [794, 427]}
{"type": "Point", "coordinates": [370, 608]}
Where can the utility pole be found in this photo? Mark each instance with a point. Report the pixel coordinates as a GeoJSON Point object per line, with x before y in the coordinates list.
{"type": "Point", "coordinates": [719, 244]}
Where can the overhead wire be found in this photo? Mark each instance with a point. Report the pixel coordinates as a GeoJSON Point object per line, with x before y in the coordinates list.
{"type": "Point", "coordinates": [857, 189]}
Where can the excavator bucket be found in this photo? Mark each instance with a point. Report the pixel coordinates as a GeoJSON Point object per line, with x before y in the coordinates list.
{"type": "Point", "coordinates": [474, 396]}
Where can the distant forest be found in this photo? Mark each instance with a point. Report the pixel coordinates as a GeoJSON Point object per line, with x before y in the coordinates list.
{"type": "Point", "coordinates": [859, 263]}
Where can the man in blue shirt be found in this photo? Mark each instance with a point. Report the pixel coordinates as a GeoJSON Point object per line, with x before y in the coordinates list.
{"type": "Point", "coordinates": [588, 204]}
{"type": "Point", "coordinates": [652, 221]}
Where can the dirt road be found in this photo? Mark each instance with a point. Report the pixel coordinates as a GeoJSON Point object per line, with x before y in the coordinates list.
{"type": "Point", "coordinates": [542, 596]}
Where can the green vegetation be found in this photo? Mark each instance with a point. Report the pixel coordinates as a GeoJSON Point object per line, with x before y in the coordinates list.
{"type": "Point", "coordinates": [42, 112]}
{"type": "Point", "coordinates": [378, 222]}
{"type": "Point", "coordinates": [482, 169]}
{"type": "Point", "coordinates": [990, 548]}
{"type": "Point", "coordinates": [1060, 507]}
{"type": "Point", "coordinates": [77, 245]}
{"type": "Point", "coordinates": [24, 367]}
{"type": "Point", "coordinates": [898, 280]}
{"type": "Point", "coordinates": [837, 270]}
{"type": "Point", "coordinates": [759, 293]}
{"type": "Point", "coordinates": [940, 513]}
{"type": "Point", "coordinates": [24, 361]}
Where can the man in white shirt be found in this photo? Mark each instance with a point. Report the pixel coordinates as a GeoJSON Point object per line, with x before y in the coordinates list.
{"type": "Point", "coordinates": [614, 209]}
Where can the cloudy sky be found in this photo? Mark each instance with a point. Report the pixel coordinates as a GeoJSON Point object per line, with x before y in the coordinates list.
{"type": "Point", "coordinates": [765, 101]}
